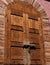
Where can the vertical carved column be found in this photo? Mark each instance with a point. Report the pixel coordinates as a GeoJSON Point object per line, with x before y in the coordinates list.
{"type": "Point", "coordinates": [41, 43]}
{"type": "Point", "coordinates": [7, 41]}
{"type": "Point", "coordinates": [26, 40]}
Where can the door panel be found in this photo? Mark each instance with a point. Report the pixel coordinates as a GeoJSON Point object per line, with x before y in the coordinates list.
{"type": "Point", "coordinates": [14, 35]}
{"type": "Point", "coordinates": [16, 53]}
{"type": "Point", "coordinates": [34, 54]}
{"type": "Point", "coordinates": [16, 20]}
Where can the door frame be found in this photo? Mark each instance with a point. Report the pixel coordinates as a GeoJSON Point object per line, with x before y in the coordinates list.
{"type": "Point", "coordinates": [7, 48]}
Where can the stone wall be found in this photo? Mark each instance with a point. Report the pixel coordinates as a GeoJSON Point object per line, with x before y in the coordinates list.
{"type": "Point", "coordinates": [46, 30]}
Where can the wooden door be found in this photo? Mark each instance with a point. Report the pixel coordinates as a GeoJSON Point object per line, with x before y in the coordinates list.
{"type": "Point", "coordinates": [23, 40]}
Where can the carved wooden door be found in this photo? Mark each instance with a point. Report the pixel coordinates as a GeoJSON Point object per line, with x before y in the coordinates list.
{"type": "Point", "coordinates": [23, 40]}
